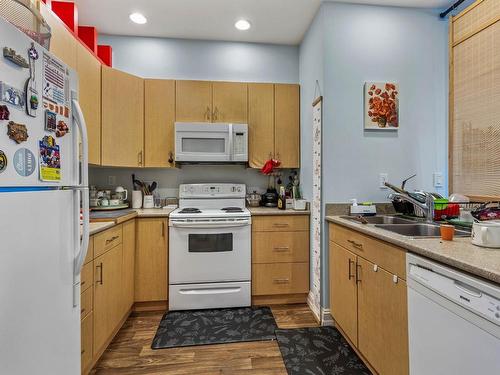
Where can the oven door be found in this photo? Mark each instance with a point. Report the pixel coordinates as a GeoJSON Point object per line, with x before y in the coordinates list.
{"type": "Point", "coordinates": [211, 251]}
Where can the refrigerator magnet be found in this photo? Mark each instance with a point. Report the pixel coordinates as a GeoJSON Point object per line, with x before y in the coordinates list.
{"type": "Point", "coordinates": [11, 95]}
{"type": "Point", "coordinates": [49, 160]}
{"type": "Point", "coordinates": [17, 132]}
{"type": "Point", "coordinates": [4, 112]}
{"type": "Point", "coordinates": [50, 121]}
{"type": "Point", "coordinates": [30, 87]}
{"type": "Point", "coordinates": [3, 161]}
{"type": "Point", "coordinates": [11, 55]}
{"type": "Point", "coordinates": [62, 129]}
{"type": "Point", "coordinates": [24, 162]}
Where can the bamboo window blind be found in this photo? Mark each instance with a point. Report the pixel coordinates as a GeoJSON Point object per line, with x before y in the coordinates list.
{"type": "Point", "coordinates": [474, 143]}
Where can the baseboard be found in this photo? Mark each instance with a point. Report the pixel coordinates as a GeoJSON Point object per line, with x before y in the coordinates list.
{"type": "Point", "coordinates": [279, 299]}
{"type": "Point", "coordinates": [150, 306]}
{"type": "Point", "coordinates": [326, 318]}
{"type": "Point", "coordinates": [313, 308]}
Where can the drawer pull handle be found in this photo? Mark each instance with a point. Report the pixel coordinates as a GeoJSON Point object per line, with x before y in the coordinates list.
{"type": "Point", "coordinates": [349, 269]}
{"type": "Point", "coordinates": [111, 239]}
{"type": "Point", "coordinates": [281, 248]}
{"type": "Point", "coordinates": [279, 225]}
{"type": "Point", "coordinates": [82, 283]}
{"type": "Point", "coordinates": [83, 351]}
{"type": "Point", "coordinates": [281, 281]}
{"type": "Point", "coordinates": [355, 244]}
{"type": "Point", "coordinates": [82, 311]}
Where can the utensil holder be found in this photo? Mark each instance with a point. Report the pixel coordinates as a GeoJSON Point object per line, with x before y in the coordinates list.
{"type": "Point", "coordinates": [148, 201]}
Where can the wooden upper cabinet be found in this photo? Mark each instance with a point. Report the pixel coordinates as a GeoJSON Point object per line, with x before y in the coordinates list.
{"type": "Point", "coordinates": [159, 118]}
{"type": "Point", "coordinates": [151, 261]}
{"type": "Point", "coordinates": [287, 124]}
{"type": "Point", "coordinates": [122, 119]}
{"type": "Point", "coordinates": [62, 42]}
{"type": "Point", "coordinates": [193, 101]}
{"type": "Point", "coordinates": [229, 102]}
{"type": "Point", "coordinates": [260, 123]}
{"type": "Point", "coordinates": [89, 72]}
{"type": "Point", "coordinates": [382, 320]}
{"type": "Point", "coordinates": [343, 290]}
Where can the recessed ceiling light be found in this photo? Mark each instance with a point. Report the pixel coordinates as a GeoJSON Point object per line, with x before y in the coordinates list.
{"type": "Point", "coordinates": [138, 18]}
{"type": "Point", "coordinates": [242, 25]}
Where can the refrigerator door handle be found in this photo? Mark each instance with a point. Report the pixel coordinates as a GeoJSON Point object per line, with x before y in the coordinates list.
{"type": "Point", "coordinates": [85, 235]}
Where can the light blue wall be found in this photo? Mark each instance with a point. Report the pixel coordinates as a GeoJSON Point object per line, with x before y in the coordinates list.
{"type": "Point", "coordinates": [372, 43]}
{"type": "Point", "coordinates": [204, 60]}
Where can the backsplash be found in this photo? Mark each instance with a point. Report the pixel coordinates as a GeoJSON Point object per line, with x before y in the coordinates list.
{"type": "Point", "coordinates": [170, 179]}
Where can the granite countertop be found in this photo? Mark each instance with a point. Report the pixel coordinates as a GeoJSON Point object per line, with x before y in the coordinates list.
{"type": "Point", "coordinates": [99, 227]}
{"type": "Point", "coordinates": [273, 211]}
{"type": "Point", "coordinates": [459, 253]}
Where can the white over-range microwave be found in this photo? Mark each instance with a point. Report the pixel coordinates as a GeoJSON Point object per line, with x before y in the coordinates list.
{"type": "Point", "coordinates": [202, 142]}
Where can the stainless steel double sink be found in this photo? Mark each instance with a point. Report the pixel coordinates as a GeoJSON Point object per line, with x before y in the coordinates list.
{"type": "Point", "coordinates": [404, 226]}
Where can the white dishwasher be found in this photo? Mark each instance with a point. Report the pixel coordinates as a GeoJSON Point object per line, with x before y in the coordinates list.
{"type": "Point", "coordinates": [454, 321]}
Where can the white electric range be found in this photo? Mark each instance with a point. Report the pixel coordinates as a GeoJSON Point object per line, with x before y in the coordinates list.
{"type": "Point", "coordinates": [210, 248]}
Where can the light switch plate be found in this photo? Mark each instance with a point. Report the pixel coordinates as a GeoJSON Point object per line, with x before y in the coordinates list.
{"type": "Point", "coordinates": [382, 179]}
{"type": "Point", "coordinates": [438, 179]}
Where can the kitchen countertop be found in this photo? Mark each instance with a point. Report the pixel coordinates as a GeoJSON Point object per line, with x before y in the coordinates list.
{"type": "Point", "coordinates": [120, 216]}
{"type": "Point", "coordinates": [273, 211]}
{"type": "Point", "coordinates": [99, 227]}
{"type": "Point", "coordinates": [459, 253]}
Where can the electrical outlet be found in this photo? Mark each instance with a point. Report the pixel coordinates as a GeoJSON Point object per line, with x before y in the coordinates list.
{"type": "Point", "coordinates": [438, 179]}
{"type": "Point", "coordinates": [111, 180]}
{"type": "Point", "coordinates": [382, 179]}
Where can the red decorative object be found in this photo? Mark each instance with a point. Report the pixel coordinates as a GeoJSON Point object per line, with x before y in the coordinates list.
{"type": "Point", "coordinates": [68, 13]}
{"type": "Point", "coordinates": [47, 2]}
{"type": "Point", "coordinates": [269, 166]}
{"type": "Point", "coordinates": [105, 53]}
{"type": "Point", "coordinates": [88, 35]}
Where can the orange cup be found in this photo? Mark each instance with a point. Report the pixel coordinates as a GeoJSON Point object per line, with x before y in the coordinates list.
{"type": "Point", "coordinates": [447, 232]}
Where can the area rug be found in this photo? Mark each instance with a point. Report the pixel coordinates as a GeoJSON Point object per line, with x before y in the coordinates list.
{"type": "Point", "coordinates": [214, 326]}
{"type": "Point", "coordinates": [318, 351]}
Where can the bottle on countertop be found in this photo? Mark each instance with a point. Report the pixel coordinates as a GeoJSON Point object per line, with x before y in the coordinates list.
{"type": "Point", "coordinates": [282, 198]}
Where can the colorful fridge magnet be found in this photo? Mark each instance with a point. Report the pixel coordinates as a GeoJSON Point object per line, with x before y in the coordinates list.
{"type": "Point", "coordinates": [30, 86]}
{"type": "Point", "coordinates": [50, 121]}
{"type": "Point", "coordinates": [17, 132]}
{"type": "Point", "coordinates": [24, 162]}
{"type": "Point", "coordinates": [3, 161]}
{"type": "Point", "coordinates": [11, 95]}
{"type": "Point", "coordinates": [4, 112]}
{"type": "Point", "coordinates": [62, 129]}
{"type": "Point", "coordinates": [50, 159]}
{"type": "Point", "coordinates": [11, 55]}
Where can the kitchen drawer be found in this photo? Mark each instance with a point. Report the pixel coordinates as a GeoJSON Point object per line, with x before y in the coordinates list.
{"type": "Point", "coordinates": [280, 223]}
{"type": "Point", "coordinates": [280, 278]}
{"type": "Point", "coordinates": [86, 342]}
{"type": "Point", "coordinates": [280, 247]}
{"type": "Point", "coordinates": [86, 302]}
{"type": "Point", "coordinates": [383, 254]}
{"type": "Point", "coordinates": [87, 277]}
{"type": "Point", "coordinates": [107, 240]}
{"type": "Point", "coordinates": [90, 251]}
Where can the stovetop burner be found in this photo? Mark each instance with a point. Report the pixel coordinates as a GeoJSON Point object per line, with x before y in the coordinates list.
{"type": "Point", "coordinates": [190, 210]}
{"type": "Point", "coordinates": [232, 209]}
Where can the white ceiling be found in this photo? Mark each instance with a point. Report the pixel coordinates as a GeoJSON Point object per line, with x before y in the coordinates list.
{"type": "Point", "coordinates": [273, 21]}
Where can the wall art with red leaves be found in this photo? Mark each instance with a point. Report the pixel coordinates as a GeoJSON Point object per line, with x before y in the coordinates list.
{"type": "Point", "coordinates": [381, 106]}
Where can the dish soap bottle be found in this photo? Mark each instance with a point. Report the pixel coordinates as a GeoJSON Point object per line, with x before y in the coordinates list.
{"type": "Point", "coordinates": [282, 198]}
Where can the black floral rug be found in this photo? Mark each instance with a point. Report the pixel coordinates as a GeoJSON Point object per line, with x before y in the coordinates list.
{"type": "Point", "coordinates": [215, 326]}
{"type": "Point", "coordinates": [318, 351]}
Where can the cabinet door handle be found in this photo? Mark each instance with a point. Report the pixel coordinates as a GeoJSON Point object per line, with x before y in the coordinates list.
{"type": "Point", "coordinates": [281, 281]}
{"type": "Point", "coordinates": [216, 114]}
{"type": "Point", "coordinates": [100, 273]}
{"type": "Point", "coordinates": [207, 113]}
{"type": "Point", "coordinates": [163, 229]}
{"type": "Point", "coordinates": [355, 244]}
{"type": "Point", "coordinates": [82, 311]}
{"type": "Point", "coordinates": [170, 157]}
{"type": "Point", "coordinates": [82, 283]}
{"type": "Point", "coordinates": [358, 268]}
{"type": "Point", "coordinates": [139, 157]}
{"type": "Point", "coordinates": [281, 248]}
{"type": "Point", "coordinates": [82, 352]}
{"type": "Point", "coordinates": [349, 269]}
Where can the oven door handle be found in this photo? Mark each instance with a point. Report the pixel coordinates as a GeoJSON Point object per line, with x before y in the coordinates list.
{"type": "Point", "coordinates": [210, 225]}
{"type": "Point", "coordinates": [210, 291]}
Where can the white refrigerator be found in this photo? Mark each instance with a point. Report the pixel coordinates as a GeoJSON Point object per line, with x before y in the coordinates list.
{"type": "Point", "coordinates": [43, 187]}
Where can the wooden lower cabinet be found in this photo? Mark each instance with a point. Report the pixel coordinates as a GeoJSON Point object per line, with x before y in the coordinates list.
{"type": "Point", "coordinates": [368, 302]}
{"type": "Point", "coordinates": [343, 290]}
{"type": "Point", "coordinates": [107, 296]}
{"type": "Point", "coordinates": [87, 342]}
{"type": "Point", "coordinates": [151, 283]}
{"type": "Point", "coordinates": [382, 320]}
{"type": "Point", "coordinates": [128, 266]}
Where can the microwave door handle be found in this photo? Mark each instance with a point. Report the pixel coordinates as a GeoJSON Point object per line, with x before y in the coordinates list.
{"type": "Point", "coordinates": [230, 143]}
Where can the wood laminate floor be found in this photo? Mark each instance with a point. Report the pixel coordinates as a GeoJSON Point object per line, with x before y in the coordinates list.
{"type": "Point", "coordinates": [130, 351]}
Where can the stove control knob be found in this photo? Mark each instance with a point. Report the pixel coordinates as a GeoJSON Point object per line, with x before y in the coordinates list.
{"type": "Point", "coordinates": [239, 189]}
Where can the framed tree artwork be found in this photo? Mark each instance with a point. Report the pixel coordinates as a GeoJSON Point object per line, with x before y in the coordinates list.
{"type": "Point", "coordinates": [381, 106]}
